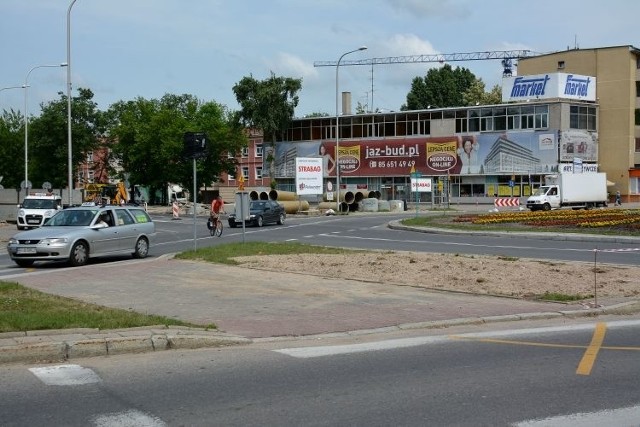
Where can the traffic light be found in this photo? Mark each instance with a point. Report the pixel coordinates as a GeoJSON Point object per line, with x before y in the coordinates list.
{"type": "Point", "coordinates": [195, 145]}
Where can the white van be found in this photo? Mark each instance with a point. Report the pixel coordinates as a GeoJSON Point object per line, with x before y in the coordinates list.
{"type": "Point", "coordinates": [36, 208]}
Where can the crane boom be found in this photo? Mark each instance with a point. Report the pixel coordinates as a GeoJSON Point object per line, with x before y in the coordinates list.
{"type": "Point", "coordinates": [442, 57]}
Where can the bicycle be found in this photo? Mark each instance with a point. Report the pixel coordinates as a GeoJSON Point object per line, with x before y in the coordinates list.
{"type": "Point", "coordinates": [215, 229]}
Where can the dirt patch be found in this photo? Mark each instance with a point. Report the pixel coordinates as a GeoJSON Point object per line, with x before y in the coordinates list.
{"type": "Point", "coordinates": [474, 274]}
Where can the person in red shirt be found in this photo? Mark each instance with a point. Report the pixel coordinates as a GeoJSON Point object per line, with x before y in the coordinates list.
{"type": "Point", "coordinates": [217, 207]}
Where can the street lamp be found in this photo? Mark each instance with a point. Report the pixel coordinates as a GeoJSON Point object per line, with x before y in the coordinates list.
{"type": "Point", "coordinates": [338, 128]}
{"type": "Point", "coordinates": [26, 122]}
{"type": "Point", "coordinates": [69, 145]}
{"type": "Point", "coordinates": [11, 87]}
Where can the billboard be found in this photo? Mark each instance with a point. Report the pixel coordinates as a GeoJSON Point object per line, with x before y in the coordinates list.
{"type": "Point", "coordinates": [308, 175]}
{"type": "Point", "coordinates": [495, 153]}
{"type": "Point", "coordinates": [547, 86]}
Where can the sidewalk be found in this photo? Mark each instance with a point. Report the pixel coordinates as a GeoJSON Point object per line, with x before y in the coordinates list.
{"type": "Point", "coordinates": [248, 305]}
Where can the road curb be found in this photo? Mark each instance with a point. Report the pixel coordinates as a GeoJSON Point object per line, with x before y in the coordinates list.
{"type": "Point", "coordinates": [54, 346]}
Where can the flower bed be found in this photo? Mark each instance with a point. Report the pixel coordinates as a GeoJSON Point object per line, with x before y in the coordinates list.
{"type": "Point", "coordinates": [600, 218]}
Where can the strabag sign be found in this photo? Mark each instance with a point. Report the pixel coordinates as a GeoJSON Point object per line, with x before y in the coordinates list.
{"type": "Point", "coordinates": [309, 175]}
{"type": "Point", "coordinates": [547, 86]}
{"type": "Point", "coordinates": [421, 185]}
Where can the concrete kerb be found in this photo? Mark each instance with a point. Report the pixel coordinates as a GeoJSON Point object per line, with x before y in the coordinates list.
{"type": "Point", "coordinates": [62, 345]}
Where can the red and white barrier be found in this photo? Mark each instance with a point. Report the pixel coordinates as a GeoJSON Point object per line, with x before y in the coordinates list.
{"type": "Point", "coordinates": [506, 201]}
{"type": "Point", "coordinates": [176, 210]}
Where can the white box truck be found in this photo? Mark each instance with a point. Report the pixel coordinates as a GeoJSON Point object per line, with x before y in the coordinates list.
{"type": "Point", "coordinates": [570, 190]}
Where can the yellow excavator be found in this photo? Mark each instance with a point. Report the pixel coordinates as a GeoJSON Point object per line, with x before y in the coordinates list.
{"type": "Point", "coordinates": [93, 193]}
{"type": "Point", "coordinates": [115, 194]}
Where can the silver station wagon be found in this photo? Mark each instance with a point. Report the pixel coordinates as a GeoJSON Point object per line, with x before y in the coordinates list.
{"type": "Point", "coordinates": [77, 234]}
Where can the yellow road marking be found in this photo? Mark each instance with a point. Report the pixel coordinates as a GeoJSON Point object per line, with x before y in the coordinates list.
{"type": "Point", "coordinates": [589, 358]}
{"type": "Point", "coordinates": [538, 344]}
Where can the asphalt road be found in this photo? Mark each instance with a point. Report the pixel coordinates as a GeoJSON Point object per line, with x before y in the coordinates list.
{"type": "Point", "coordinates": [584, 374]}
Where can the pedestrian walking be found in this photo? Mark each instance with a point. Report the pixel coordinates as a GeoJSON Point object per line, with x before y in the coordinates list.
{"type": "Point", "coordinates": [618, 199]}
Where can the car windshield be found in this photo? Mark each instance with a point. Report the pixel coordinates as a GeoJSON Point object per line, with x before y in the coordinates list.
{"type": "Point", "coordinates": [40, 203]}
{"type": "Point", "coordinates": [258, 205]}
{"type": "Point", "coordinates": [72, 217]}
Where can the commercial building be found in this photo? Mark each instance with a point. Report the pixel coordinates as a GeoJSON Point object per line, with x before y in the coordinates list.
{"type": "Point", "coordinates": [617, 70]}
{"type": "Point", "coordinates": [571, 111]}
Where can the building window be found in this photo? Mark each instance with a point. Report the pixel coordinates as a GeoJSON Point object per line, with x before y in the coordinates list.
{"type": "Point", "coordinates": [560, 65]}
{"type": "Point", "coordinates": [245, 173]}
{"type": "Point", "coordinates": [637, 89]}
{"type": "Point", "coordinates": [90, 156]}
{"type": "Point", "coordinates": [258, 172]}
{"type": "Point", "coordinates": [258, 150]}
{"type": "Point", "coordinates": [637, 145]}
{"type": "Point", "coordinates": [245, 151]}
{"type": "Point", "coordinates": [582, 117]}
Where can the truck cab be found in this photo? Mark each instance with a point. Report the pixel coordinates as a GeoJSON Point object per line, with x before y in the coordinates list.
{"type": "Point", "coordinates": [546, 197]}
{"type": "Point", "coordinates": [36, 209]}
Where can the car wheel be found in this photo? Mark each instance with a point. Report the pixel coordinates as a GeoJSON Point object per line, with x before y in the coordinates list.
{"type": "Point", "coordinates": [24, 262]}
{"type": "Point", "coordinates": [259, 221]}
{"type": "Point", "coordinates": [79, 254]}
{"type": "Point", "coordinates": [281, 219]}
{"type": "Point", "coordinates": [142, 248]}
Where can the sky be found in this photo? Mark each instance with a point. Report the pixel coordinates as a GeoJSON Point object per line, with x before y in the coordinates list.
{"type": "Point", "coordinates": [123, 50]}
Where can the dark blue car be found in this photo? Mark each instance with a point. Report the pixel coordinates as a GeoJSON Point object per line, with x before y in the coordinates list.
{"type": "Point", "coordinates": [261, 212]}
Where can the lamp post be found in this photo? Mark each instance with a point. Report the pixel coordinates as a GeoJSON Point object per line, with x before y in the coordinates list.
{"type": "Point", "coordinates": [11, 87]}
{"type": "Point", "coordinates": [69, 144]}
{"type": "Point", "coordinates": [338, 128]}
{"type": "Point", "coordinates": [26, 122]}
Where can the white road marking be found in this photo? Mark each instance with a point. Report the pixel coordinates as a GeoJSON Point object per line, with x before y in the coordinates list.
{"type": "Point", "coordinates": [309, 352]}
{"type": "Point", "coordinates": [128, 419]}
{"type": "Point", "coordinates": [63, 375]}
{"type": "Point", "coordinates": [611, 417]}
{"type": "Point", "coordinates": [320, 351]}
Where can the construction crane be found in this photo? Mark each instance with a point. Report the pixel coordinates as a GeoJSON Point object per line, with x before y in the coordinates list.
{"type": "Point", "coordinates": [507, 57]}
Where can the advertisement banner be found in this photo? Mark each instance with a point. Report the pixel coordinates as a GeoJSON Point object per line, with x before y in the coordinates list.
{"type": "Point", "coordinates": [487, 153]}
{"type": "Point", "coordinates": [308, 175]}
{"type": "Point", "coordinates": [421, 185]}
{"type": "Point", "coordinates": [547, 86]}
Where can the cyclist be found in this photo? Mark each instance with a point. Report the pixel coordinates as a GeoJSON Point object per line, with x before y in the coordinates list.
{"type": "Point", "coordinates": [217, 208]}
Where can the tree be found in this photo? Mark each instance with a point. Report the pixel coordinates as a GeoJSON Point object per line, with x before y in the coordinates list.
{"type": "Point", "coordinates": [476, 94]}
{"type": "Point", "coordinates": [317, 114]}
{"type": "Point", "coordinates": [48, 137]}
{"type": "Point", "coordinates": [146, 140]}
{"type": "Point", "coordinates": [268, 105]}
{"type": "Point", "coordinates": [11, 149]}
{"type": "Point", "coordinates": [441, 87]}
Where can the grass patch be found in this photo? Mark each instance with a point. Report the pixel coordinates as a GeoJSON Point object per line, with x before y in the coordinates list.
{"type": "Point", "coordinates": [25, 309]}
{"type": "Point", "coordinates": [224, 254]}
{"type": "Point", "coordinates": [554, 296]}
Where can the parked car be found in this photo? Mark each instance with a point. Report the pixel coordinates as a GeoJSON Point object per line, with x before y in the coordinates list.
{"type": "Point", "coordinates": [261, 212]}
{"type": "Point", "coordinates": [77, 234]}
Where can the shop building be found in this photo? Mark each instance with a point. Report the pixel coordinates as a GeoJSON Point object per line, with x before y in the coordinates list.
{"type": "Point", "coordinates": [469, 152]}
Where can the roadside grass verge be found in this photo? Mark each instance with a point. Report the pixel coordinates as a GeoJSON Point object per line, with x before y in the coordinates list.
{"type": "Point", "coordinates": [24, 309]}
{"type": "Point", "coordinates": [224, 254]}
{"type": "Point", "coordinates": [555, 296]}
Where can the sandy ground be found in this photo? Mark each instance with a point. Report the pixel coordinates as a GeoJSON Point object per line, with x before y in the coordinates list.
{"type": "Point", "coordinates": [475, 274]}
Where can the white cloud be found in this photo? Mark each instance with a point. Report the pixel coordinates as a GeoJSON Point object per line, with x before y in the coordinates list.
{"type": "Point", "coordinates": [289, 65]}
